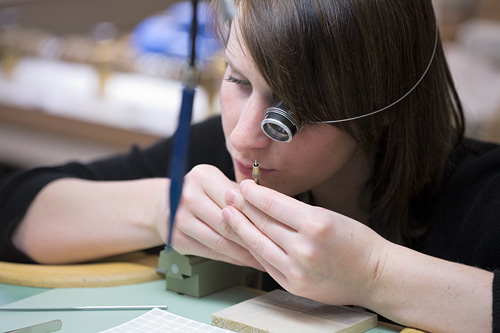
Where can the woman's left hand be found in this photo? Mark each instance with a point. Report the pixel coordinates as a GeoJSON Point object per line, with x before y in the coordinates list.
{"type": "Point", "coordinates": [330, 258]}
{"type": "Point", "coordinates": [302, 246]}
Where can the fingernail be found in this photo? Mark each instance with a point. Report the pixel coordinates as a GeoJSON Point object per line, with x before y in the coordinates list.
{"type": "Point", "coordinates": [231, 196]}
{"type": "Point", "coordinates": [244, 182]}
{"type": "Point", "coordinates": [227, 214]}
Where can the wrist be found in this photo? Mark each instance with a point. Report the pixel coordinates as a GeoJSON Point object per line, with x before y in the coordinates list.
{"type": "Point", "coordinates": [160, 209]}
{"type": "Point", "coordinates": [402, 288]}
{"type": "Point", "coordinates": [418, 290]}
{"type": "Point", "coordinates": [376, 293]}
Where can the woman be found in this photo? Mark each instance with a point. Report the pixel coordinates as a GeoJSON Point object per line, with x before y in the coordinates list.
{"type": "Point", "coordinates": [383, 208]}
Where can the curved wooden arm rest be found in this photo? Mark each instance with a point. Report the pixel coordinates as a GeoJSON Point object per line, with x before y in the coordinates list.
{"type": "Point", "coordinates": [126, 269]}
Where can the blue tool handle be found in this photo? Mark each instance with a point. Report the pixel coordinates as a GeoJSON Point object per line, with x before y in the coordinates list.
{"type": "Point", "coordinates": [179, 156]}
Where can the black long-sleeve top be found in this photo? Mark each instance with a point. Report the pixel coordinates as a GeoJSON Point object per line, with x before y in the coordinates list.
{"type": "Point", "coordinates": [463, 219]}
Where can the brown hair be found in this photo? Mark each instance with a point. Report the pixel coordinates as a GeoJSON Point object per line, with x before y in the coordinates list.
{"type": "Point", "coordinates": [336, 59]}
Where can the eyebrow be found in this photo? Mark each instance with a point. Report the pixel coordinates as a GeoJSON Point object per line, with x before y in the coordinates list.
{"type": "Point", "coordinates": [233, 67]}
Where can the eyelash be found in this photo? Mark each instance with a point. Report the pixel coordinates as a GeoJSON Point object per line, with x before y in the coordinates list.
{"type": "Point", "coordinates": [237, 81]}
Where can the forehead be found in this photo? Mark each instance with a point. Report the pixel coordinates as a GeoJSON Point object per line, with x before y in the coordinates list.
{"type": "Point", "coordinates": [236, 51]}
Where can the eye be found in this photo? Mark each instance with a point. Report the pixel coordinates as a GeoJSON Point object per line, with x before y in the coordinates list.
{"type": "Point", "coordinates": [232, 79]}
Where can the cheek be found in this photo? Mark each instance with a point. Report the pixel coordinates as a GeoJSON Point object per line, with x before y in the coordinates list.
{"type": "Point", "coordinates": [324, 153]}
{"type": "Point", "coordinates": [229, 109]}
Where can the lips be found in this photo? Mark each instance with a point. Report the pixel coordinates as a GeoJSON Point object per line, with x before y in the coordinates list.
{"type": "Point", "coordinates": [244, 168]}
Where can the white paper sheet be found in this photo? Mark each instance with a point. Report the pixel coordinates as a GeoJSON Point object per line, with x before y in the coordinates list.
{"type": "Point", "coordinates": [157, 320]}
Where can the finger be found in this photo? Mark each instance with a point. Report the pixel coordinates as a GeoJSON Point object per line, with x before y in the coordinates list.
{"type": "Point", "coordinates": [213, 245]}
{"type": "Point", "coordinates": [283, 208]}
{"type": "Point", "coordinates": [275, 273]}
{"type": "Point", "coordinates": [277, 231]}
{"type": "Point", "coordinates": [210, 213]}
{"type": "Point", "coordinates": [204, 196]}
{"type": "Point", "coordinates": [189, 246]}
{"type": "Point", "coordinates": [216, 186]}
{"type": "Point", "coordinates": [211, 181]}
{"type": "Point", "coordinates": [268, 253]}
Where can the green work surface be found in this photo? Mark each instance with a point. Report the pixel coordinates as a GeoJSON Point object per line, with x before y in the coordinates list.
{"type": "Point", "coordinates": [10, 293]}
{"type": "Point", "coordinates": [150, 293]}
{"type": "Point", "coordinates": [153, 293]}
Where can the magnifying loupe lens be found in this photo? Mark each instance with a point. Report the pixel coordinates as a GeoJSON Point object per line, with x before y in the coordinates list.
{"type": "Point", "coordinates": [279, 124]}
{"type": "Point", "coordinates": [279, 131]}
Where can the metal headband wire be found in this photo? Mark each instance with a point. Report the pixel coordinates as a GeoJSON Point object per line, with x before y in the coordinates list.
{"type": "Point", "coordinates": [401, 98]}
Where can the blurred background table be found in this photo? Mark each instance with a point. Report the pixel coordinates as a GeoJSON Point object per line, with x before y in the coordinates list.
{"type": "Point", "coordinates": [32, 138]}
{"type": "Point", "coordinates": [75, 83]}
{"type": "Point", "coordinates": [82, 79]}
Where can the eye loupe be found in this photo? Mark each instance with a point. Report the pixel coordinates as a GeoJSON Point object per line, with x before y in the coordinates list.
{"type": "Point", "coordinates": [279, 123]}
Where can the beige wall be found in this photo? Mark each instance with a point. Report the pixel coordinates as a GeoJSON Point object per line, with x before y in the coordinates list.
{"type": "Point", "coordinates": [77, 16]}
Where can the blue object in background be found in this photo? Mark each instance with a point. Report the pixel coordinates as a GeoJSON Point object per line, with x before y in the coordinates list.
{"type": "Point", "coordinates": [168, 33]}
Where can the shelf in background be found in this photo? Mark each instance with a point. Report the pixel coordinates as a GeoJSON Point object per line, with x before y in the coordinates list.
{"type": "Point", "coordinates": [30, 138]}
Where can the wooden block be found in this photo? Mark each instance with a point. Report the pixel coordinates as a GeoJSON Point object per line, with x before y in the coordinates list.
{"type": "Point", "coordinates": [280, 311]}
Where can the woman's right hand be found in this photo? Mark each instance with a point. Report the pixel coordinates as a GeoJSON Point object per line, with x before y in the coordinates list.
{"type": "Point", "coordinates": [199, 227]}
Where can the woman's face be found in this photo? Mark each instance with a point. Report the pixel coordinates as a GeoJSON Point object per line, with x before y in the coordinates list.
{"type": "Point", "coordinates": [319, 154]}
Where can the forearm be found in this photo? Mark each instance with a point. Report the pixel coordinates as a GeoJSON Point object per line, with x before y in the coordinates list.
{"type": "Point", "coordinates": [74, 220]}
{"type": "Point", "coordinates": [432, 294]}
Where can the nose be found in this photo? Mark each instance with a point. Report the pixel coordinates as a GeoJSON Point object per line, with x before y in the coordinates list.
{"type": "Point", "coordinates": [247, 134]}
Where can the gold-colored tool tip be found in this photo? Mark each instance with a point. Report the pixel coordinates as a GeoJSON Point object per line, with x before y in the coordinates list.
{"type": "Point", "coordinates": [256, 172]}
